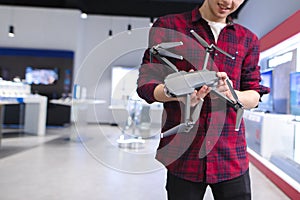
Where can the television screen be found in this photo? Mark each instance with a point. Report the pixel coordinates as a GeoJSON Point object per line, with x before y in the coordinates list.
{"type": "Point", "coordinates": [295, 93]}
{"type": "Point", "coordinates": [266, 103]}
{"type": "Point", "coordinates": [43, 76]}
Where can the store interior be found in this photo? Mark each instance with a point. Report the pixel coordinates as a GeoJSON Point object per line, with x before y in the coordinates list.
{"type": "Point", "coordinates": [82, 73]}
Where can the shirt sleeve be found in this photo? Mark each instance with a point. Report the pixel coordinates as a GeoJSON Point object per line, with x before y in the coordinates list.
{"type": "Point", "coordinates": [250, 74]}
{"type": "Point", "coordinates": [149, 77]}
{"type": "Point", "coordinates": [152, 72]}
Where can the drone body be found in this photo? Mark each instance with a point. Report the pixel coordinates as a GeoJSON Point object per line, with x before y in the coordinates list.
{"type": "Point", "coordinates": [182, 83]}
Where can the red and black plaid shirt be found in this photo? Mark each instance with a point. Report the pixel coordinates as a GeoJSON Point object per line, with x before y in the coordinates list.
{"type": "Point", "coordinates": [212, 151]}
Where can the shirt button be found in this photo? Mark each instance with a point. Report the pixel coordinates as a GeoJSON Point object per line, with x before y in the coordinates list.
{"type": "Point", "coordinates": [216, 54]}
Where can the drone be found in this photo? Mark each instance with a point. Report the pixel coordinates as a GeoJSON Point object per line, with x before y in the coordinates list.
{"type": "Point", "coordinates": [182, 83]}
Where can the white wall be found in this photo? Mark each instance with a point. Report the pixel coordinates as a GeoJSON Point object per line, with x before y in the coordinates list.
{"type": "Point", "coordinates": [39, 28]}
{"type": "Point", "coordinates": [261, 16]}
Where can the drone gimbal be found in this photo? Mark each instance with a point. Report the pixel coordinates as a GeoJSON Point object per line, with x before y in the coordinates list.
{"type": "Point", "coordinates": [182, 83]}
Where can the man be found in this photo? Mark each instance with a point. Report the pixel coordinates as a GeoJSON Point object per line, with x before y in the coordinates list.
{"type": "Point", "coordinates": [224, 166]}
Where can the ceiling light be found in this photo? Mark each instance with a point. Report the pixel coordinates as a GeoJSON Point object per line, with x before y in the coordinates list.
{"type": "Point", "coordinates": [110, 33]}
{"type": "Point", "coordinates": [151, 21]}
{"type": "Point", "coordinates": [129, 28]}
{"type": "Point", "coordinates": [84, 16]}
{"type": "Point", "coordinates": [11, 32]}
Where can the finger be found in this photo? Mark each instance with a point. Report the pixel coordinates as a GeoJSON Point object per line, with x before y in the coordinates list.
{"type": "Point", "coordinates": [222, 75]}
{"type": "Point", "coordinates": [204, 90]}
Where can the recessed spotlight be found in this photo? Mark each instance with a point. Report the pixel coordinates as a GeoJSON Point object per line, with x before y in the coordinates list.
{"type": "Point", "coordinates": [84, 16]}
{"type": "Point", "coordinates": [11, 32]}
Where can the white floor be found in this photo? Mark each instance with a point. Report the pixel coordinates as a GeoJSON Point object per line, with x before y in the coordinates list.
{"type": "Point", "coordinates": [55, 168]}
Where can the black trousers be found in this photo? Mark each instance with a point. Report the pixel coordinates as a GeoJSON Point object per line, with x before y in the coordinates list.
{"type": "Point", "coordinates": [235, 189]}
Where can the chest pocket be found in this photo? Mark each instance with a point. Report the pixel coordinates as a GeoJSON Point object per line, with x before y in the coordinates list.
{"type": "Point", "coordinates": [239, 53]}
{"type": "Point", "coordinates": [231, 66]}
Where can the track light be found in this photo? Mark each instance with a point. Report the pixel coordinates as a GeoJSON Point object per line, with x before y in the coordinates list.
{"type": "Point", "coordinates": [151, 21]}
{"type": "Point", "coordinates": [11, 32]}
{"type": "Point", "coordinates": [129, 28]}
{"type": "Point", "coordinates": [83, 15]}
{"type": "Point", "coordinates": [110, 33]}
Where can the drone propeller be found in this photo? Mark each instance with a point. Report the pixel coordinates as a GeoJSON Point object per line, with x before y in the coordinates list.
{"type": "Point", "coordinates": [231, 89]}
{"type": "Point", "coordinates": [239, 116]}
{"type": "Point", "coordinates": [168, 45]}
{"type": "Point", "coordinates": [160, 52]}
{"type": "Point", "coordinates": [200, 39]}
{"type": "Point", "coordinates": [164, 52]}
{"type": "Point", "coordinates": [239, 105]}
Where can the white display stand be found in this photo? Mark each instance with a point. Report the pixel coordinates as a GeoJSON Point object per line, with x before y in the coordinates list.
{"type": "Point", "coordinates": [35, 112]}
{"type": "Point", "coordinates": [79, 114]}
{"type": "Point", "coordinates": [132, 121]}
{"type": "Point", "coordinates": [297, 141]}
{"type": "Point", "coordinates": [272, 137]}
{"type": "Point", "coordinates": [71, 102]}
{"type": "Point", "coordinates": [77, 105]}
{"type": "Point", "coordinates": [270, 133]}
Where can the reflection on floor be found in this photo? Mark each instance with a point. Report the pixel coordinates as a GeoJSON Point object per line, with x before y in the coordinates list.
{"type": "Point", "coordinates": [60, 167]}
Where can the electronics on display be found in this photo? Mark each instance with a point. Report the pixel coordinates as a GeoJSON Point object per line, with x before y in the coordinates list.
{"type": "Point", "coordinates": [266, 103]}
{"type": "Point", "coordinates": [45, 76]}
{"type": "Point", "coordinates": [295, 93]}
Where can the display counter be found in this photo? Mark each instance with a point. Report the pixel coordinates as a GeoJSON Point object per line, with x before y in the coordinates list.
{"type": "Point", "coordinates": [79, 106]}
{"type": "Point", "coordinates": [138, 119]}
{"type": "Point", "coordinates": [70, 101]}
{"type": "Point", "coordinates": [269, 134]}
{"type": "Point", "coordinates": [273, 141]}
{"type": "Point", "coordinates": [35, 112]}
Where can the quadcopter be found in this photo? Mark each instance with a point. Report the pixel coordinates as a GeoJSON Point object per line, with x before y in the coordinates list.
{"type": "Point", "coordinates": [182, 83]}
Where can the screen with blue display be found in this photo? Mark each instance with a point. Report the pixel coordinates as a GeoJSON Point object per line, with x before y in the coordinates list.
{"type": "Point", "coordinates": [42, 76]}
{"type": "Point", "coordinates": [295, 93]}
{"type": "Point", "coordinates": [266, 103]}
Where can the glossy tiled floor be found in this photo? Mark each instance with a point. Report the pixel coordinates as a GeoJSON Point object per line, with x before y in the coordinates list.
{"type": "Point", "coordinates": [55, 168]}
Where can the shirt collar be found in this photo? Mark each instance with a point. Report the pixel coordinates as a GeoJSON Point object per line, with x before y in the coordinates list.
{"type": "Point", "coordinates": [196, 16]}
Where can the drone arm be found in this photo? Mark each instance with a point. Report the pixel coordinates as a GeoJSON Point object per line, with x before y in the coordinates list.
{"type": "Point", "coordinates": [183, 127]}
{"type": "Point", "coordinates": [190, 119]}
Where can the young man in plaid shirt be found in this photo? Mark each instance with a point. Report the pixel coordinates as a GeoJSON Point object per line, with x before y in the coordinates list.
{"type": "Point", "coordinates": [213, 153]}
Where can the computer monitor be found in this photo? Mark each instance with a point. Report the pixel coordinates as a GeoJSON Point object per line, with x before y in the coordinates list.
{"type": "Point", "coordinates": [41, 76]}
{"type": "Point", "coordinates": [266, 104]}
{"type": "Point", "coordinates": [295, 93]}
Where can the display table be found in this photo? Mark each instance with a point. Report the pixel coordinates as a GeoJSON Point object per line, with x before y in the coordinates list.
{"type": "Point", "coordinates": [79, 113]}
{"type": "Point", "coordinates": [35, 112]}
{"type": "Point", "coordinates": [139, 120]}
{"type": "Point", "coordinates": [70, 102]}
{"type": "Point", "coordinates": [268, 134]}
{"type": "Point", "coordinates": [78, 105]}
{"type": "Point", "coordinates": [273, 146]}
{"type": "Point", "coordinates": [296, 123]}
